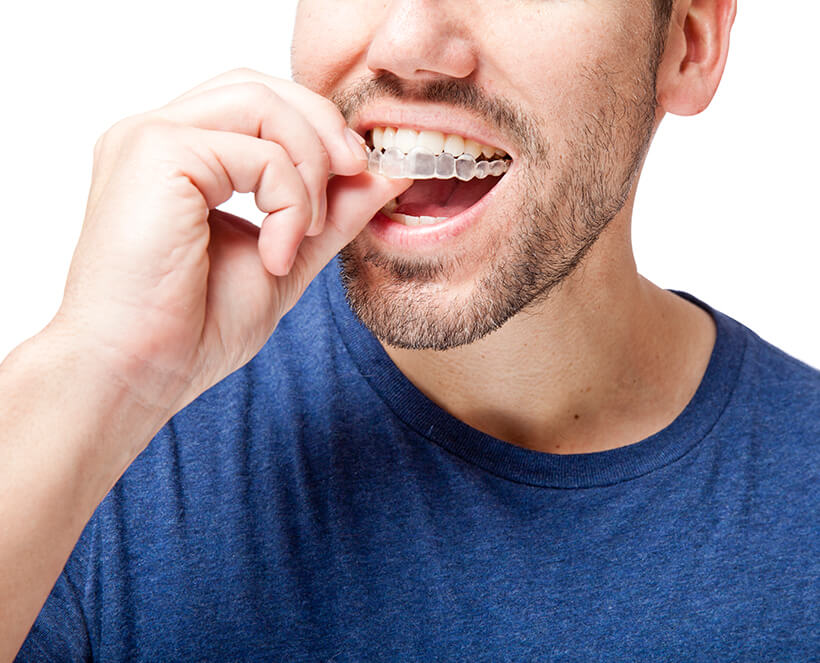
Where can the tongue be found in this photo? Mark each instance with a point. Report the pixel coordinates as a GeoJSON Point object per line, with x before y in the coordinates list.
{"type": "Point", "coordinates": [443, 197]}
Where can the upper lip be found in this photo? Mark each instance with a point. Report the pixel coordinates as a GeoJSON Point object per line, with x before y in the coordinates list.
{"type": "Point", "coordinates": [428, 117]}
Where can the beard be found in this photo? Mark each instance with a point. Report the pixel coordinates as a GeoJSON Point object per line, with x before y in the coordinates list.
{"type": "Point", "coordinates": [564, 205]}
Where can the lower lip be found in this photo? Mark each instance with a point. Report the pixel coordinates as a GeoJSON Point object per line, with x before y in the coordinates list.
{"type": "Point", "coordinates": [419, 237]}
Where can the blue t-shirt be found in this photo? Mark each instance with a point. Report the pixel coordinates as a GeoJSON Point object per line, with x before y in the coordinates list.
{"type": "Point", "coordinates": [315, 506]}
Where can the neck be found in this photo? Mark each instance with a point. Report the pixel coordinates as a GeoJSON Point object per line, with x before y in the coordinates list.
{"type": "Point", "coordinates": [607, 360]}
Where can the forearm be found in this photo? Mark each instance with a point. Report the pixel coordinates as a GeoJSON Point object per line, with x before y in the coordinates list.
{"type": "Point", "coordinates": [68, 430]}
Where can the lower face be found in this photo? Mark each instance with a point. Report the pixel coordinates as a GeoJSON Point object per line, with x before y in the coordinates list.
{"type": "Point", "coordinates": [578, 130]}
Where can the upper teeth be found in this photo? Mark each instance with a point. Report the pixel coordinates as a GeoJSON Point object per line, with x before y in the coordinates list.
{"type": "Point", "coordinates": [435, 141]}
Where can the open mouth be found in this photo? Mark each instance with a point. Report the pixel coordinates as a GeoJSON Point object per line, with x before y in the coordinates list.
{"type": "Point", "coordinates": [452, 173]}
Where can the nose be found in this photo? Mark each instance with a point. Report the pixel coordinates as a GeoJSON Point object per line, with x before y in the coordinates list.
{"type": "Point", "coordinates": [423, 40]}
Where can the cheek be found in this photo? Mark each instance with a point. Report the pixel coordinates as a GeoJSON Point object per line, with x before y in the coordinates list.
{"type": "Point", "coordinates": [552, 74]}
{"type": "Point", "coordinates": [328, 39]}
{"type": "Point", "coordinates": [564, 80]}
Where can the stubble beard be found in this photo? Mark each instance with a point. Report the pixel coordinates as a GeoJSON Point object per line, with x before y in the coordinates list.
{"type": "Point", "coordinates": [406, 302]}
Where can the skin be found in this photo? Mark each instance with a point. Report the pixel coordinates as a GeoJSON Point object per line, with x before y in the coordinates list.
{"type": "Point", "coordinates": [587, 346]}
{"type": "Point", "coordinates": [166, 295]}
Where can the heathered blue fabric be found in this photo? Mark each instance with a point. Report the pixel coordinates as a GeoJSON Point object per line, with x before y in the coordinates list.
{"type": "Point", "coordinates": [315, 506]}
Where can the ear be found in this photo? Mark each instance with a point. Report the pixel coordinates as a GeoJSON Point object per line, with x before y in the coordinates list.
{"type": "Point", "coordinates": [695, 55]}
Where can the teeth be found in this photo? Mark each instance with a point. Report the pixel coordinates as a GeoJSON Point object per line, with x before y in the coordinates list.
{"type": "Point", "coordinates": [431, 140]}
{"type": "Point", "coordinates": [498, 167]}
{"type": "Point", "coordinates": [383, 138]}
{"type": "Point", "coordinates": [454, 145]}
{"type": "Point", "coordinates": [374, 159]}
{"type": "Point", "coordinates": [389, 138]}
{"type": "Point", "coordinates": [392, 163]}
{"type": "Point", "coordinates": [474, 149]}
{"type": "Point", "coordinates": [407, 153]}
{"type": "Point", "coordinates": [422, 164]}
{"type": "Point", "coordinates": [406, 139]}
{"type": "Point", "coordinates": [465, 167]}
{"type": "Point", "coordinates": [445, 166]}
{"type": "Point", "coordinates": [408, 220]}
{"type": "Point", "coordinates": [378, 138]}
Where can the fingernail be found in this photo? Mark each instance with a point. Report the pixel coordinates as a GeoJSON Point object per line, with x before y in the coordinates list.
{"type": "Point", "coordinates": [356, 143]}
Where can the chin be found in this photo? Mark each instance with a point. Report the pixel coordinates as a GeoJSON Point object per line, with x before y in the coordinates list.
{"type": "Point", "coordinates": [432, 302]}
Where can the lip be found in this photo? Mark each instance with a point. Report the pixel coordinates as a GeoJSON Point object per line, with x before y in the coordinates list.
{"type": "Point", "coordinates": [424, 117]}
{"type": "Point", "coordinates": [412, 238]}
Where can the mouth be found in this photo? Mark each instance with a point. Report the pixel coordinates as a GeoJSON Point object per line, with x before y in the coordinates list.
{"type": "Point", "coordinates": [453, 174]}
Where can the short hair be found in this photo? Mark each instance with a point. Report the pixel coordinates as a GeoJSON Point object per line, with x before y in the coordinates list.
{"type": "Point", "coordinates": [663, 14]}
{"type": "Point", "coordinates": [663, 11]}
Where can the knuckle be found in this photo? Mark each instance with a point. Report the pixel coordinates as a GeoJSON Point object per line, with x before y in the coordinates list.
{"type": "Point", "coordinates": [243, 73]}
{"type": "Point", "coordinates": [140, 134]}
{"type": "Point", "coordinates": [115, 135]}
{"type": "Point", "coordinates": [248, 75]}
{"type": "Point", "coordinates": [99, 147]}
{"type": "Point", "coordinates": [149, 134]}
{"type": "Point", "coordinates": [121, 130]}
{"type": "Point", "coordinates": [315, 179]}
{"type": "Point", "coordinates": [277, 155]}
{"type": "Point", "coordinates": [258, 92]}
{"type": "Point", "coordinates": [304, 208]}
{"type": "Point", "coordinates": [323, 160]}
{"type": "Point", "coordinates": [300, 206]}
{"type": "Point", "coordinates": [317, 168]}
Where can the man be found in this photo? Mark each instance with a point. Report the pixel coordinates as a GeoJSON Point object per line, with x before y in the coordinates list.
{"type": "Point", "coordinates": [525, 452]}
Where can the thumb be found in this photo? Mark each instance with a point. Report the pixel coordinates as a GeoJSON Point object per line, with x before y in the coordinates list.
{"type": "Point", "coordinates": [351, 203]}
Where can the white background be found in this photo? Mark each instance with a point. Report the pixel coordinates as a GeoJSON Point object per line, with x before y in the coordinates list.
{"type": "Point", "coordinates": [727, 208]}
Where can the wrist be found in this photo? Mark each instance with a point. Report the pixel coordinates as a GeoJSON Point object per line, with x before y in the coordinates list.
{"type": "Point", "coordinates": [127, 376]}
{"type": "Point", "coordinates": [57, 378]}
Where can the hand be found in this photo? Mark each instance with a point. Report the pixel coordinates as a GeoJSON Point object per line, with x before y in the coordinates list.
{"type": "Point", "coordinates": [174, 295]}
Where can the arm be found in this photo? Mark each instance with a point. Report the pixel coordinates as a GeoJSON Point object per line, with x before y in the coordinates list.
{"type": "Point", "coordinates": [61, 424]}
{"type": "Point", "coordinates": [165, 297]}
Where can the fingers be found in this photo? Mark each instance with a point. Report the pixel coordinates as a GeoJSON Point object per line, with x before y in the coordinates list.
{"type": "Point", "coordinates": [308, 126]}
{"type": "Point", "coordinates": [319, 111]}
{"type": "Point", "coordinates": [283, 142]}
{"type": "Point", "coordinates": [243, 163]}
{"type": "Point", "coordinates": [352, 203]}
{"type": "Point", "coordinates": [255, 110]}
{"type": "Point", "coordinates": [219, 163]}
{"type": "Point", "coordinates": [211, 165]}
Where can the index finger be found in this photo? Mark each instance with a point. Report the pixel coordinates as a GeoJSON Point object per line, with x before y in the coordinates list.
{"type": "Point", "coordinates": [322, 113]}
{"type": "Point", "coordinates": [254, 109]}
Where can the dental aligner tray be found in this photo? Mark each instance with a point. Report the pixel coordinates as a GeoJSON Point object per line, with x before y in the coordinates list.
{"type": "Point", "coordinates": [421, 164]}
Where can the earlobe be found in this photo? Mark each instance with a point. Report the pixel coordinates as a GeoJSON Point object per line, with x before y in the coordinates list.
{"type": "Point", "coordinates": [695, 55]}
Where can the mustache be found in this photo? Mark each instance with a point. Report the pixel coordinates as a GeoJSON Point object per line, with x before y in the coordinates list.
{"type": "Point", "coordinates": [456, 92]}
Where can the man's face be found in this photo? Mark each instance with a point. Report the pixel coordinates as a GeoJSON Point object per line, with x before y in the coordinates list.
{"type": "Point", "coordinates": [566, 87]}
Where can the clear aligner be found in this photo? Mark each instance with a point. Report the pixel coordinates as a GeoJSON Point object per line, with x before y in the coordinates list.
{"type": "Point", "coordinates": [422, 164]}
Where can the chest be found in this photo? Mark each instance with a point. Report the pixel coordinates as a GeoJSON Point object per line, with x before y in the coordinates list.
{"type": "Point", "coordinates": [411, 579]}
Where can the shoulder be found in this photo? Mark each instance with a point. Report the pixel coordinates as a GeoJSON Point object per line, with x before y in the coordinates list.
{"type": "Point", "coordinates": [775, 397]}
{"type": "Point", "coordinates": [761, 376]}
{"type": "Point", "coordinates": [781, 381]}
{"type": "Point", "coordinates": [767, 398]}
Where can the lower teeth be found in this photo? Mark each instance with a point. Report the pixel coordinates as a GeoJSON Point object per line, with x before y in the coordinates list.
{"type": "Point", "coordinates": [409, 220]}
{"type": "Point", "coordinates": [422, 164]}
